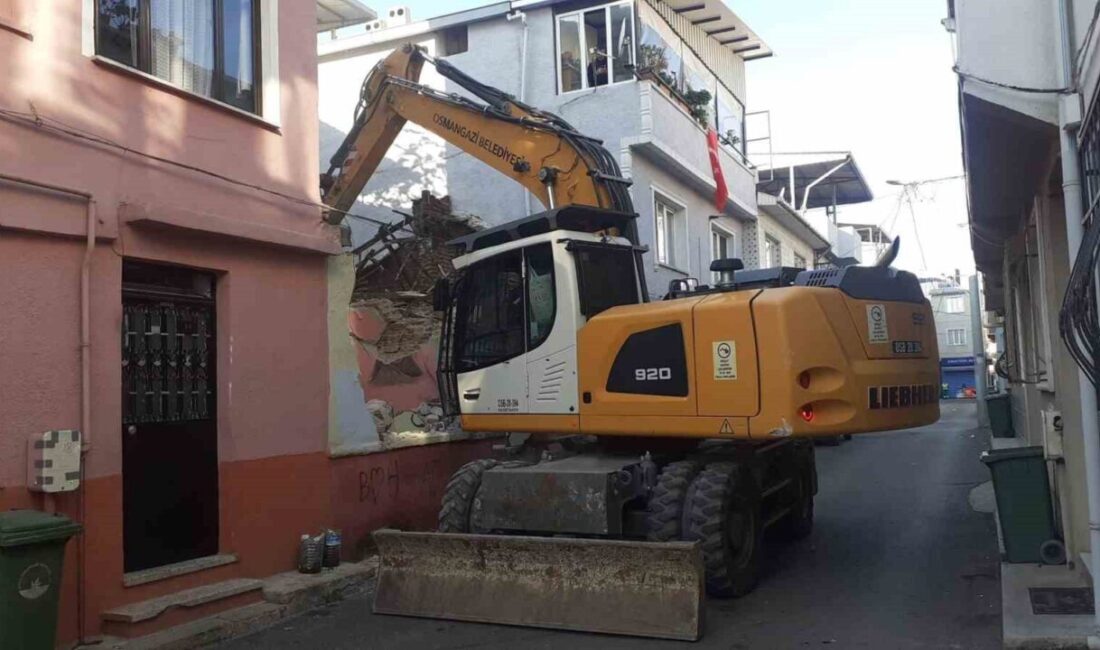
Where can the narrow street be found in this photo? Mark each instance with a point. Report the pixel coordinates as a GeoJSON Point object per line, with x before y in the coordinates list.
{"type": "Point", "coordinates": [897, 560]}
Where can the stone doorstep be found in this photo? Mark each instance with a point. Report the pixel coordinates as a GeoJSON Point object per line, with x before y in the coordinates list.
{"type": "Point", "coordinates": [287, 595]}
{"type": "Point", "coordinates": [154, 607]}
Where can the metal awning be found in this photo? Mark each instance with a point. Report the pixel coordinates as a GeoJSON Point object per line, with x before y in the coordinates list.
{"type": "Point", "coordinates": [1004, 151]}
{"type": "Point", "coordinates": [721, 24]}
{"type": "Point", "coordinates": [334, 14]}
{"type": "Point", "coordinates": [844, 186]}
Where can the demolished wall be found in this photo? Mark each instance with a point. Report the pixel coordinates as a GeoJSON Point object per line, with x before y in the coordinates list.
{"type": "Point", "coordinates": [394, 327]}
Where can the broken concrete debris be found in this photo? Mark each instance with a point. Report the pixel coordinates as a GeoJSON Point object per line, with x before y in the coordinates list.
{"type": "Point", "coordinates": [393, 322]}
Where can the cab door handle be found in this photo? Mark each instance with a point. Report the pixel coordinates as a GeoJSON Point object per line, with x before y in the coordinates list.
{"type": "Point", "coordinates": [471, 395]}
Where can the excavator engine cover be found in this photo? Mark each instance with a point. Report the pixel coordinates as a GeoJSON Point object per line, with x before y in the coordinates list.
{"type": "Point", "coordinates": [592, 585]}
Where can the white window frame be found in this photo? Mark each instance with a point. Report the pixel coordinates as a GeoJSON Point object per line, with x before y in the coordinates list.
{"type": "Point", "coordinates": [778, 251]}
{"type": "Point", "coordinates": [269, 112]}
{"type": "Point", "coordinates": [584, 49]}
{"type": "Point", "coordinates": [679, 246]}
{"type": "Point", "coordinates": [950, 338]}
{"type": "Point", "coordinates": [717, 230]}
{"type": "Point", "coordinates": [950, 301]}
{"type": "Point", "coordinates": [1041, 260]}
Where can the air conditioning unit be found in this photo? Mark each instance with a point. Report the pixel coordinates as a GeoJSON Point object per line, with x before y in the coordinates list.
{"type": "Point", "coordinates": [375, 25]}
{"type": "Point", "coordinates": [398, 16]}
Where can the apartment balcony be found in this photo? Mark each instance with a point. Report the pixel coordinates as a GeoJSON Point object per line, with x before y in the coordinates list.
{"type": "Point", "coordinates": [671, 137]}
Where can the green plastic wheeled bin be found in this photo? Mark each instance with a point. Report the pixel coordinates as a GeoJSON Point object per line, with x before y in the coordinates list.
{"type": "Point", "coordinates": [1000, 416]}
{"type": "Point", "coordinates": [32, 546]}
{"type": "Point", "coordinates": [1023, 502]}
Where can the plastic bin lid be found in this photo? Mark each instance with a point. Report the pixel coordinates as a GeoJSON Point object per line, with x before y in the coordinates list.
{"type": "Point", "coordinates": [24, 527]}
{"type": "Point", "coordinates": [997, 455]}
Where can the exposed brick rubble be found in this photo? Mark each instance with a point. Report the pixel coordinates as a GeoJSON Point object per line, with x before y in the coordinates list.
{"type": "Point", "coordinates": [393, 319]}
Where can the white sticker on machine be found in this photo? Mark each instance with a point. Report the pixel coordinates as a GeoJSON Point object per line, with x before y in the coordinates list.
{"type": "Point", "coordinates": [876, 324]}
{"type": "Point", "coordinates": [725, 360]}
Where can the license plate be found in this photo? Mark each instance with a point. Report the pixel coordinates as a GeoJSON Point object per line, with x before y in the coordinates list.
{"type": "Point", "coordinates": [907, 347]}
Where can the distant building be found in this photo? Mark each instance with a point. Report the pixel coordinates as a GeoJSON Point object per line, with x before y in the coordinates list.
{"type": "Point", "coordinates": [951, 309]}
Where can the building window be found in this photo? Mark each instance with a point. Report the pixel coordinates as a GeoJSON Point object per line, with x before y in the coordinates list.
{"type": "Point", "coordinates": [595, 47]}
{"type": "Point", "coordinates": [456, 40]}
{"type": "Point", "coordinates": [954, 304]}
{"type": "Point", "coordinates": [206, 47]}
{"type": "Point", "coordinates": [773, 252]}
{"type": "Point", "coordinates": [721, 247]}
{"type": "Point", "coordinates": [800, 261]}
{"type": "Point", "coordinates": [670, 222]}
{"type": "Point", "coordinates": [956, 337]}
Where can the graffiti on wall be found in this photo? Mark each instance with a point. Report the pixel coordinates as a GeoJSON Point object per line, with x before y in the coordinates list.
{"type": "Point", "coordinates": [384, 483]}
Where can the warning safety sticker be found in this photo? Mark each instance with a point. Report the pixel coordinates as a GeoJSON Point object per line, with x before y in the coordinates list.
{"type": "Point", "coordinates": [876, 324]}
{"type": "Point", "coordinates": [725, 360]}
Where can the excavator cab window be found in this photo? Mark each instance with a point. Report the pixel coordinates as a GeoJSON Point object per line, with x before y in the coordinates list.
{"type": "Point", "coordinates": [506, 306]}
{"type": "Point", "coordinates": [489, 318]}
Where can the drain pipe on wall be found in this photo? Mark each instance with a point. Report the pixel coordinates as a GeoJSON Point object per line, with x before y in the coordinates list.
{"type": "Point", "coordinates": [1074, 209]}
{"type": "Point", "coordinates": [522, 17]}
{"type": "Point", "coordinates": [85, 376]}
{"type": "Point", "coordinates": [981, 368]}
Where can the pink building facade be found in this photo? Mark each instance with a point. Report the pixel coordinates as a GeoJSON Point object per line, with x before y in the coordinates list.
{"type": "Point", "coordinates": [184, 134]}
{"type": "Point", "coordinates": [167, 289]}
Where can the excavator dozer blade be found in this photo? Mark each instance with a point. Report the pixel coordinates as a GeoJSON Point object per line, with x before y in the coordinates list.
{"type": "Point", "coordinates": [594, 585]}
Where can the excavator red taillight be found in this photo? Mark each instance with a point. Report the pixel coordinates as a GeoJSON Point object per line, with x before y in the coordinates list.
{"type": "Point", "coordinates": [807, 412]}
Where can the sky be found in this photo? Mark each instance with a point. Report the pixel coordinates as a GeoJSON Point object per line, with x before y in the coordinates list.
{"type": "Point", "coordinates": [868, 76]}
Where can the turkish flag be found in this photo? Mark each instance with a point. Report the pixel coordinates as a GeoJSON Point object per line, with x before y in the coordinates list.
{"type": "Point", "coordinates": [721, 193]}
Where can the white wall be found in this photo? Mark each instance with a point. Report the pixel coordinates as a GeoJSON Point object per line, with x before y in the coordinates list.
{"type": "Point", "coordinates": [1010, 42]}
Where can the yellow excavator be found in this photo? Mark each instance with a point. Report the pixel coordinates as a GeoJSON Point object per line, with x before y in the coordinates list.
{"type": "Point", "coordinates": [669, 439]}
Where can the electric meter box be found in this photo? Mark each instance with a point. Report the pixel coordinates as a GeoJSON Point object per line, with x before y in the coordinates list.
{"type": "Point", "coordinates": [53, 461]}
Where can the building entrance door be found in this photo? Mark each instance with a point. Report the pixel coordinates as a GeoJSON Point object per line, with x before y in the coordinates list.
{"type": "Point", "coordinates": [169, 428]}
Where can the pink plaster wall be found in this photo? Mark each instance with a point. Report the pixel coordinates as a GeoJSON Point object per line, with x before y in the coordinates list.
{"type": "Point", "coordinates": [271, 300]}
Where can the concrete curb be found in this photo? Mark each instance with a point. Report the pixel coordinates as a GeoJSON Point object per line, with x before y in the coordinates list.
{"type": "Point", "coordinates": [286, 595]}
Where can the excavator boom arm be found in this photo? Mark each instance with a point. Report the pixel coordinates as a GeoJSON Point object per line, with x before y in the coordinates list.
{"type": "Point", "coordinates": [538, 150]}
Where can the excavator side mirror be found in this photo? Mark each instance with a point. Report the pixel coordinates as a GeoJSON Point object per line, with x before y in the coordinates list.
{"type": "Point", "coordinates": [890, 254]}
{"type": "Point", "coordinates": [441, 294]}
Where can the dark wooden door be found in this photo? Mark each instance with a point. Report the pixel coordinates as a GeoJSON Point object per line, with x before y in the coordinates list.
{"type": "Point", "coordinates": [169, 428]}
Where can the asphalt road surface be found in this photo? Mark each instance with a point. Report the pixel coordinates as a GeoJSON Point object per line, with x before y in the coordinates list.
{"type": "Point", "coordinates": [898, 559]}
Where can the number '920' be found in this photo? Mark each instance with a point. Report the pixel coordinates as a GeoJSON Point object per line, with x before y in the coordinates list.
{"type": "Point", "coordinates": [653, 374]}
